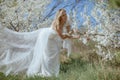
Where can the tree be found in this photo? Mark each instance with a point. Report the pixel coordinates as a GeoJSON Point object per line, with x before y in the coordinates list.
{"type": "Point", "coordinates": [106, 32]}
{"type": "Point", "coordinates": [23, 15]}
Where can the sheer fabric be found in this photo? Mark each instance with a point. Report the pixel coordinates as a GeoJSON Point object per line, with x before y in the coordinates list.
{"type": "Point", "coordinates": [34, 52]}
{"type": "Point", "coordinates": [16, 50]}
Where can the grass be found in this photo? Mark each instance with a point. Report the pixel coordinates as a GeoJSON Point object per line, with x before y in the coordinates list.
{"type": "Point", "coordinates": [83, 64]}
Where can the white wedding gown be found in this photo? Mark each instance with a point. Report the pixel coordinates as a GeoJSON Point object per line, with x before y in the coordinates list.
{"type": "Point", "coordinates": [34, 53]}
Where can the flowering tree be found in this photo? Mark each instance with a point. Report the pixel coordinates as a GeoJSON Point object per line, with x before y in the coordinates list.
{"type": "Point", "coordinates": [23, 15]}
{"type": "Point", "coordinates": [106, 32]}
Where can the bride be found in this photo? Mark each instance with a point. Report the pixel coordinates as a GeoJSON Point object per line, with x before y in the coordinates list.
{"type": "Point", "coordinates": [37, 52]}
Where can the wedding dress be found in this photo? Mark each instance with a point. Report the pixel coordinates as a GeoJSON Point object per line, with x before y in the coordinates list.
{"type": "Point", "coordinates": [33, 53]}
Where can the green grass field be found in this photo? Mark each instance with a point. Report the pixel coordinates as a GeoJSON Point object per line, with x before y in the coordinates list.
{"type": "Point", "coordinates": [83, 64]}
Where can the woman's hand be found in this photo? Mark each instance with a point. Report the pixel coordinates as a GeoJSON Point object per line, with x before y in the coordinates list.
{"type": "Point", "coordinates": [75, 36]}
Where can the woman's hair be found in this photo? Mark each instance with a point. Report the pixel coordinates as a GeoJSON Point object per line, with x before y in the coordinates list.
{"type": "Point", "coordinates": [57, 21]}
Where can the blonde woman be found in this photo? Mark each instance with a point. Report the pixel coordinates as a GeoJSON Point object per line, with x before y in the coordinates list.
{"type": "Point", "coordinates": [34, 53]}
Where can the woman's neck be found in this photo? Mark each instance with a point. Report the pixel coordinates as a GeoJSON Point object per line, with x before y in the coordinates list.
{"type": "Point", "coordinates": [62, 23]}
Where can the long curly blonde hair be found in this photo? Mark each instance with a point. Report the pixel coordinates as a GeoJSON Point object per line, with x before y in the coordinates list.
{"type": "Point", "coordinates": [58, 22]}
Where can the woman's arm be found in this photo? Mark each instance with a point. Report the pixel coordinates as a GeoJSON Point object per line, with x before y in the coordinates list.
{"type": "Point", "coordinates": [58, 29]}
{"type": "Point", "coordinates": [63, 36]}
{"type": "Point", "coordinates": [70, 32]}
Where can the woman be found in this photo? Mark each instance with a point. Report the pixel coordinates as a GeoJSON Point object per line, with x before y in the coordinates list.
{"type": "Point", "coordinates": [37, 52]}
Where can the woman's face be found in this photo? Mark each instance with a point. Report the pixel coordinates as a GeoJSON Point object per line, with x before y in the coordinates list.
{"type": "Point", "coordinates": [64, 16]}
